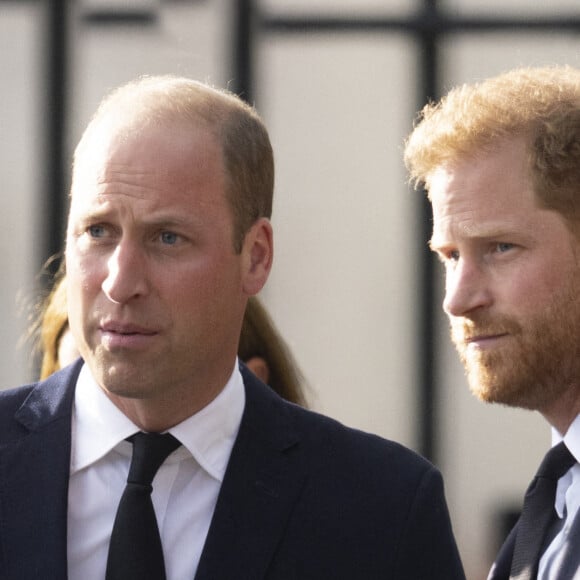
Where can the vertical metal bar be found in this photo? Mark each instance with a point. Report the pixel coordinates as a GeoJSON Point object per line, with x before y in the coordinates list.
{"type": "Point", "coordinates": [427, 392]}
{"type": "Point", "coordinates": [243, 45]}
{"type": "Point", "coordinates": [55, 113]}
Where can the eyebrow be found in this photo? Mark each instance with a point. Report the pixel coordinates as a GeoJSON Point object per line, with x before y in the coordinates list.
{"type": "Point", "coordinates": [486, 231]}
{"type": "Point", "coordinates": [171, 220]}
{"type": "Point", "coordinates": [105, 211]}
{"type": "Point", "coordinates": [480, 233]}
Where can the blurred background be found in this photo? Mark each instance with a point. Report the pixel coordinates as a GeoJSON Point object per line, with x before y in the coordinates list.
{"type": "Point", "coordinates": [354, 290]}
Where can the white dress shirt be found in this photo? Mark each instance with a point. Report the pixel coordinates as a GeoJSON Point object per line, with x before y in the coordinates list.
{"type": "Point", "coordinates": [185, 489]}
{"type": "Point", "coordinates": [566, 503]}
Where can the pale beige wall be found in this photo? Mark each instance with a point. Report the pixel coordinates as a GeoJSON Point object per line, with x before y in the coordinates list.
{"type": "Point", "coordinates": [20, 179]}
{"type": "Point", "coordinates": [343, 290]}
{"type": "Point", "coordinates": [343, 286]}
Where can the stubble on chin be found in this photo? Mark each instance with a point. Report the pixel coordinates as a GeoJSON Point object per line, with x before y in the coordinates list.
{"type": "Point", "coordinates": [535, 366]}
{"type": "Point", "coordinates": [488, 371]}
{"type": "Point", "coordinates": [492, 378]}
{"type": "Point", "coordinates": [118, 376]}
{"type": "Point", "coordinates": [507, 381]}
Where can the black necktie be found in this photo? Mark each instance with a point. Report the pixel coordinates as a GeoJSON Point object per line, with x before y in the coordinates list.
{"type": "Point", "coordinates": [135, 551]}
{"type": "Point", "coordinates": [538, 512]}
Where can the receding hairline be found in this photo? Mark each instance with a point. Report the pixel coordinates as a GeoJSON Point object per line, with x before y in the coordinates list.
{"type": "Point", "coordinates": [160, 100]}
{"type": "Point", "coordinates": [238, 129]}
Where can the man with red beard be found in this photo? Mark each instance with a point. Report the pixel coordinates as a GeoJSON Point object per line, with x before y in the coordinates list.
{"type": "Point", "coordinates": [500, 161]}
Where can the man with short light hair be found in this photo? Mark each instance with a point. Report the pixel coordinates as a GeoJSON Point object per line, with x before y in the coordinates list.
{"type": "Point", "coordinates": [157, 455]}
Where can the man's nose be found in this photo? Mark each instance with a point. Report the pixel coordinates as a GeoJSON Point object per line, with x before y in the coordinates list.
{"type": "Point", "coordinates": [126, 277]}
{"type": "Point", "coordinates": [466, 289]}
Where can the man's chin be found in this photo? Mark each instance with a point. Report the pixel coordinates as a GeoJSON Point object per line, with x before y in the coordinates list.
{"type": "Point", "coordinates": [486, 393]}
{"type": "Point", "coordinates": [504, 394]}
{"type": "Point", "coordinates": [485, 385]}
{"type": "Point", "coordinates": [488, 385]}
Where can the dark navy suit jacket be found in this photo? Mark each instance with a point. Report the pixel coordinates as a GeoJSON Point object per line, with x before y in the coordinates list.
{"type": "Point", "coordinates": [303, 497]}
{"type": "Point", "coordinates": [501, 568]}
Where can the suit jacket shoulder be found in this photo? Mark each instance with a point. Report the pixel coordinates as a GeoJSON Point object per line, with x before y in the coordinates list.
{"type": "Point", "coordinates": [306, 497]}
{"type": "Point", "coordinates": [35, 435]}
{"type": "Point", "coordinates": [303, 496]}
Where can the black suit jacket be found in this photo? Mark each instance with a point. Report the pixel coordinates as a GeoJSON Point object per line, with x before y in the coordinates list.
{"type": "Point", "coordinates": [502, 566]}
{"type": "Point", "coordinates": [303, 497]}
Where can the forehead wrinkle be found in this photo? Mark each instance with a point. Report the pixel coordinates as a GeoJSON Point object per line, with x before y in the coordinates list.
{"type": "Point", "coordinates": [104, 208]}
{"type": "Point", "coordinates": [110, 181]}
{"type": "Point", "coordinates": [473, 224]}
{"type": "Point", "coordinates": [128, 178]}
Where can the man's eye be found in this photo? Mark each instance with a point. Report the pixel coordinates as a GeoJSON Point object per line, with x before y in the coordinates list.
{"type": "Point", "coordinates": [453, 255]}
{"type": "Point", "coordinates": [169, 238]}
{"type": "Point", "coordinates": [502, 247]}
{"type": "Point", "coordinates": [97, 231]}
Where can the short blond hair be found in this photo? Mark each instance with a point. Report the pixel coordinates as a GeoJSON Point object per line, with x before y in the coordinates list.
{"type": "Point", "coordinates": [541, 105]}
{"type": "Point", "coordinates": [246, 147]}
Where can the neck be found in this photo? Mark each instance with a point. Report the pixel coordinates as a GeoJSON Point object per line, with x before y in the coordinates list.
{"type": "Point", "coordinates": [157, 415]}
{"type": "Point", "coordinates": [562, 412]}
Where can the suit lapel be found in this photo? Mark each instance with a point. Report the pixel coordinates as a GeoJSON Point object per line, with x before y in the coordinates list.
{"type": "Point", "coordinates": [34, 472]}
{"type": "Point", "coordinates": [502, 566]}
{"type": "Point", "coordinates": [265, 474]}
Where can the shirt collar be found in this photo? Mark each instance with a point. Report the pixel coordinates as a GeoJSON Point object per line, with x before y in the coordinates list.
{"type": "Point", "coordinates": [572, 441]}
{"type": "Point", "coordinates": [98, 426]}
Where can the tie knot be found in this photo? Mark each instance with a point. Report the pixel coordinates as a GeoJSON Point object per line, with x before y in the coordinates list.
{"type": "Point", "coordinates": [149, 451]}
{"type": "Point", "coordinates": [556, 462]}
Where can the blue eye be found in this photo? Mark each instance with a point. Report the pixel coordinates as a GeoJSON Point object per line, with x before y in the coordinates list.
{"type": "Point", "coordinates": [502, 247]}
{"type": "Point", "coordinates": [168, 238]}
{"type": "Point", "coordinates": [97, 231]}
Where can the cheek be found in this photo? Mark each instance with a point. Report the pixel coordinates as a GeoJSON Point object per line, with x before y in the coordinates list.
{"type": "Point", "coordinates": [83, 269]}
{"type": "Point", "coordinates": [211, 290]}
{"type": "Point", "coordinates": [212, 276]}
{"type": "Point", "coordinates": [83, 284]}
{"type": "Point", "coordinates": [534, 288]}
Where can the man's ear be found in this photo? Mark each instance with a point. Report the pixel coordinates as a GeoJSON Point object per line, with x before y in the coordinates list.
{"type": "Point", "coordinates": [257, 253]}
